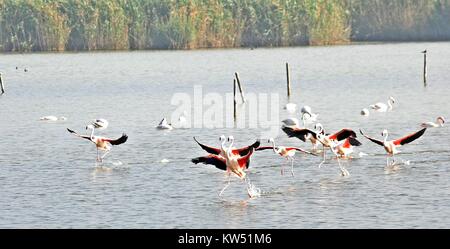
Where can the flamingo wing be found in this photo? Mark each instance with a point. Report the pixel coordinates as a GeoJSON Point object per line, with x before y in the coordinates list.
{"type": "Point", "coordinates": [298, 133]}
{"type": "Point", "coordinates": [78, 135]}
{"type": "Point", "coordinates": [349, 142]}
{"type": "Point", "coordinates": [409, 138]}
{"type": "Point", "coordinates": [372, 139]}
{"type": "Point", "coordinates": [212, 150]}
{"type": "Point", "coordinates": [244, 161]}
{"type": "Point", "coordinates": [301, 150]}
{"type": "Point", "coordinates": [264, 148]}
{"type": "Point", "coordinates": [244, 151]}
{"type": "Point", "coordinates": [215, 160]}
{"type": "Point", "coordinates": [117, 141]}
{"type": "Point", "coordinates": [342, 134]}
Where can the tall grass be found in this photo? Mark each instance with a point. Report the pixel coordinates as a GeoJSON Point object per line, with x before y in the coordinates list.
{"type": "Point", "coordinates": [57, 25]}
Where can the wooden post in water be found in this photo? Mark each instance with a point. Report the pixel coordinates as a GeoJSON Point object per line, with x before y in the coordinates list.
{"type": "Point", "coordinates": [240, 87]}
{"type": "Point", "coordinates": [424, 67]}
{"type": "Point", "coordinates": [1, 84]}
{"type": "Point", "coordinates": [288, 77]}
{"type": "Point", "coordinates": [234, 100]}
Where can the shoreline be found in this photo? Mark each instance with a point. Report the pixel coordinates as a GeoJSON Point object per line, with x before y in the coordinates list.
{"type": "Point", "coordinates": [354, 43]}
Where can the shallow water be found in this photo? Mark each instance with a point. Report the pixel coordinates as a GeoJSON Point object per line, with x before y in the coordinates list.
{"type": "Point", "coordinates": [48, 177]}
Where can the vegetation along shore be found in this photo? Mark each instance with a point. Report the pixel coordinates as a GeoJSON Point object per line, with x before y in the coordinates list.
{"type": "Point", "coordinates": [74, 25]}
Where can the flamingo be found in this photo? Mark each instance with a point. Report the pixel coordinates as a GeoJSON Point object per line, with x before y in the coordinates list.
{"type": "Point", "coordinates": [164, 125]}
{"type": "Point", "coordinates": [102, 143]}
{"type": "Point", "coordinates": [336, 147]}
{"type": "Point", "coordinates": [304, 134]}
{"type": "Point", "coordinates": [286, 152]}
{"type": "Point", "coordinates": [312, 117]}
{"type": "Point", "coordinates": [345, 147]}
{"type": "Point", "coordinates": [233, 164]}
{"type": "Point", "coordinates": [295, 122]}
{"type": "Point", "coordinates": [392, 145]}
{"type": "Point", "coordinates": [52, 118]}
{"type": "Point", "coordinates": [222, 151]}
{"type": "Point", "coordinates": [439, 123]}
{"type": "Point", "coordinates": [382, 107]}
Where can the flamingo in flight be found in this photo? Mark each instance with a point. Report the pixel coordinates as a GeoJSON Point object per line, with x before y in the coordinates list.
{"type": "Point", "coordinates": [439, 123]}
{"type": "Point", "coordinates": [382, 107]}
{"type": "Point", "coordinates": [222, 151]}
{"type": "Point", "coordinates": [286, 152]}
{"type": "Point", "coordinates": [340, 149]}
{"type": "Point", "coordinates": [303, 134]}
{"type": "Point", "coordinates": [101, 143]}
{"type": "Point", "coordinates": [345, 147]}
{"type": "Point", "coordinates": [392, 145]}
{"type": "Point", "coordinates": [231, 164]}
{"type": "Point", "coordinates": [325, 139]}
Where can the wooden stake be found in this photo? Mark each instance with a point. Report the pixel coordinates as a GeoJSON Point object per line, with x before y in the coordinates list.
{"type": "Point", "coordinates": [288, 77]}
{"type": "Point", "coordinates": [240, 87]}
{"type": "Point", "coordinates": [234, 99]}
{"type": "Point", "coordinates": [425, 68]}
{"type": "Point", "coordinates": [1, 84]}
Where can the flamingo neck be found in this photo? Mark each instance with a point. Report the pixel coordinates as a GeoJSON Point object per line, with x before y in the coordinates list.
{"type": "Point", "coordinates": [231, 146]}
{"type": "Point", "coordinates": [390, 104]}
{"type": "Point", "coordinates": [92, 134]}
{"type": "Point", "coordinates": [223, 145]}
{"type": "Point", "coordinates": [386, 137]}
{"type": "Point", "coordinates": [273, 146]}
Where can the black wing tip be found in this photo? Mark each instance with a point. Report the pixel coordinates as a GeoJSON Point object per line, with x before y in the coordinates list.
{"type": "Point", "coordinates": [195, 160]}
{"type": "Point", "coordinates": [353, 141]}
{"type": "Point", "coordinates": [256, 144]}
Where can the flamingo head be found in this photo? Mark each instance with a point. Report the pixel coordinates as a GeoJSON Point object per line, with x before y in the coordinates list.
{"type": "Point", "coordinates": [318, 127]}
{"type": "Point", "coordinates": [392, 99]}
{"type": "Point", "coordinates": [306, 109]}
{"type": "Point", "coordinates": [440, 120]}
{"type": "Point", "coordinates": [271, 140]}
{"type": "Point", "coordinates": [222, 138]}
{"type": "Point", "coordinates": [384, 133]}
{"type": "Point", "coordinates": [89, 127]}
{"type": "Point", "coordinates": [230, 138]}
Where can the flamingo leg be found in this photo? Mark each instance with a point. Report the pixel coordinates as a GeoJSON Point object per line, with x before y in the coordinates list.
{"type": "Point", "coordinates": [107, 152]}
{"type": "Point", "coordinates": [282, 167]}
{"type": "Point", "coordinates": [226, 186]}
{"type": "Point", "coordinates": [344, 171]}
{"type": "Point", "coordinates": [292, 166]}
{"type": "Point", "coordinates": [323, 153]}
{"type": "Point", "coordinates": [98, 156]}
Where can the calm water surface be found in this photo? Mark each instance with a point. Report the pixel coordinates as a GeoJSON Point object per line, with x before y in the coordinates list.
{"type": "Point", "coordinates": [48, 177]}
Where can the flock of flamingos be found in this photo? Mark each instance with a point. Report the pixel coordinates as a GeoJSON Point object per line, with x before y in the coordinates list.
{"type": "Point", "coordinates": [235, 161]}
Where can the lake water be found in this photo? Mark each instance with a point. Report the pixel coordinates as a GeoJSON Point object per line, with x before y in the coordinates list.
{"type": "Point", "coordinates": [49, 178]}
